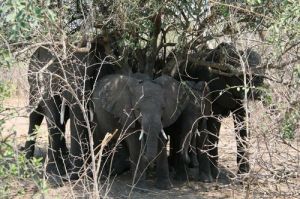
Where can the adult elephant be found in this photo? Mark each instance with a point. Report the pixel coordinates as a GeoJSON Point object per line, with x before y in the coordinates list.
{"type": "Point", "coordinates": [137, 103]}
{"type": "Point", "coordinates": [60, 86]}
{"type": "Point", "coordinates": [227, 95]}
{"type": "Point", "coordinates": [188, 135]}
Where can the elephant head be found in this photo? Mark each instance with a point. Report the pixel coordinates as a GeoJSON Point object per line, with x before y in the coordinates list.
{"type": "Point", "coordinates": [154, 104]}
{"type": "Point", "coordinates": [229, 54]}
{"type": "Point", "coordinates": [253, 59]}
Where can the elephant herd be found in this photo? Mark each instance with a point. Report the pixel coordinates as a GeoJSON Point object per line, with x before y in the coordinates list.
{"type": "Point", "coordinates": [146, 112]}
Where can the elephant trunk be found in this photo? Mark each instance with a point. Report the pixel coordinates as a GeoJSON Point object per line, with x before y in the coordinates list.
{"type": "Point", "coordinates": [151, 147]}
{"type": "Point", "coordinates": [152, 129]}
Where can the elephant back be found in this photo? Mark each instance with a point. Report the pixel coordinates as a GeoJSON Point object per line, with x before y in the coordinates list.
{"type": "Point", "coordinates": [43, 75]}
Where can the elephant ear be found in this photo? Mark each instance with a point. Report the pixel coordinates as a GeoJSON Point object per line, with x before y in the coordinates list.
{"type": "Point", "coordinates": [252, 57]}
{"type": "Point", "coordinates": [113, 95]}
{"type": "Point", "coordinates": [175, 97]}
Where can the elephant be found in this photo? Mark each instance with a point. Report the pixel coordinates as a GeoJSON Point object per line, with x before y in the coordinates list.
{"type": "Point", "coordinates": [59, 89]}
{"type": "Point", "coordinates": [58, 159]}
{"type": "Point", "coordinates": [227, 97]}
{"type": "Point", "coordinates": [137, 103]}
{"type": "Point", "coordinates": [118, 161]}
{"type": "Point", "coordinates": [188, 135]}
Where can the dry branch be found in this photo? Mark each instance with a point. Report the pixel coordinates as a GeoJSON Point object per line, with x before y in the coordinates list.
{"type": "Point", "coordinates": [54, 44]}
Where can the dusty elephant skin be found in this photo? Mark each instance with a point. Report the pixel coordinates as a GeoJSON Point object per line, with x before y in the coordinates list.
{"type": "Point", "coordinates": [58, 88]}
{"type": "Point", "coordinates": [188, 134]}
{"type": "Point", "coordinates": [227, 95]}
{"type": "Point", "coordinates": [142, 107]}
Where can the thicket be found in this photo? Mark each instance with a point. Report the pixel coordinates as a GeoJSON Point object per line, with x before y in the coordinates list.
{"type": "Point", "coordinates": [148, 29]}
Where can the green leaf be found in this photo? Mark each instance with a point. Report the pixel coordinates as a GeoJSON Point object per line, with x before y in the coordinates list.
{"type": "Point", "coordinates": [11, 17]}
{"type": "Point", "coordinates": [51, 15]}
{"type": "Point", "coordinates": [38, 11]}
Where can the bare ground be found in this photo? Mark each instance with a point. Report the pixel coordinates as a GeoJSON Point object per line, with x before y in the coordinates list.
{"type": "Point", "coordinates": [274, 174]}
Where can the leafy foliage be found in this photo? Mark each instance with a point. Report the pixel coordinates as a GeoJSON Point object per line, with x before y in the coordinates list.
{"type": "Point", "coordinates": [22, 18]}
{"type": "Point", "coordinates": [14, 168]}
{"type": "Point", "coordinates": [290, 122]}
{"type": "Point", "coordinates": [285, 29]}
{"type": "Point", "coordinates": [5, 90]}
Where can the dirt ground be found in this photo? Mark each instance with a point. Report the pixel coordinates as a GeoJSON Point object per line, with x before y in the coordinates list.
{"type": "Point", "coordinates": [274, 174]}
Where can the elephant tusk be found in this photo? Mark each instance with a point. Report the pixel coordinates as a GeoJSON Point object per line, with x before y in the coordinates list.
{"type": "Point", "coordinates": [62, 111]}
{"type": "Point", "coordinates": [141, 135]}
{"type": "Point", "coordinates": [197, 132]}
{"type": "Point", "coordinates": [91, 113]}
{"type": "Point", "coordinates": [164, 134]}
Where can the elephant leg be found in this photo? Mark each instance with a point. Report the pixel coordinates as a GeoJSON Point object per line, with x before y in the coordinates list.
{"type": "Point", "coordinates": [188, 126]}
{"type": "Point", "coordinates": [202, 144]}
{"type": "Point", "coordinates": [79, 140]}
{"type": "Point", "coordinates": [181, 166]}
{"type": "Point", "coordinates": [176, 158]}
{"type": "Point", "coordinates": [162, 169]}
{"type": "Point", "coordinates": [120, 163]}
{"type": "Point", "coordinates": [193, 154]}
{"type": "Point", "coordinates": [205, 174]}
{"type": "Point", "coordinates": [64, 148]}
{"type": "Point", "coordinates": [172, 152]}
{"type": "Point", "coordinates": [117, 160]}
{"type": "Point", "coordinates": [57, 143]}
{"type": "Point", "coordinates": [35, 119]}
{"type": "Point", "coordinates": [242, 143]}
{"type": "Point", "coordinates": [137, 162]}
{"type": "Point", "coordinates": [213, 127]}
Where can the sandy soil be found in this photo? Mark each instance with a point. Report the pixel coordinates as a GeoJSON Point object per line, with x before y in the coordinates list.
{"type": "Point", "coordinates": [261, 183]}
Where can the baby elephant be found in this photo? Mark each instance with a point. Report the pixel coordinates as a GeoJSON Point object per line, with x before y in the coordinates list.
{"type": "Point", "coordinates": [189, 136]}
{"type": "Point", "coordinates": [139, 108]}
